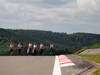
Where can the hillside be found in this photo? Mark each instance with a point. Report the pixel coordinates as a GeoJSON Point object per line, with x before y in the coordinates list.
{"type": "Point", "coordinates": [70, 42]}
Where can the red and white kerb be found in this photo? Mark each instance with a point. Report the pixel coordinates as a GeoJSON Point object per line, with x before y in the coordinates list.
{"type": "Point", "coordinates": [65, 61]}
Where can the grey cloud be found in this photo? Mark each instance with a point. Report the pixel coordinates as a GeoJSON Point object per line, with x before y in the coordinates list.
{"type": "Point", "coordinates": [34, 14]}
{"type": "Point", "coordinates": [26, 1]}
{"type": "Point", "coordinates": [44, 3]}
{"type": "Point", "coordinates": [57, 3]}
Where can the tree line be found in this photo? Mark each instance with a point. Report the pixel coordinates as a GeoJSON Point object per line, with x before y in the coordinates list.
{"type": "Point", "coordinates": [68, 43]}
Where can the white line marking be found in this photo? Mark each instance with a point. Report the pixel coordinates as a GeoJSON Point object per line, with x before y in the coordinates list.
{"type": "Point", "coordinates": [57, 69]}
{"type": "Point", "coordinates": [67, 65]}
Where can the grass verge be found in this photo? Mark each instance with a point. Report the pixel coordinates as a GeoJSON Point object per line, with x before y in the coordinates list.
{"type": "Point", "coordinates": [95, 58]}
{"type": "Point", "coordinates": [97, 72]}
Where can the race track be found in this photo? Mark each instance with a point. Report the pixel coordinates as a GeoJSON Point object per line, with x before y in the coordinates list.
{"type": "Point", "coordinates": [42, 65]}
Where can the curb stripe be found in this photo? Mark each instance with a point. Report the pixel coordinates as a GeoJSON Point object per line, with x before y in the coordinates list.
{"type": "Point", "coordinates": [65, 61]}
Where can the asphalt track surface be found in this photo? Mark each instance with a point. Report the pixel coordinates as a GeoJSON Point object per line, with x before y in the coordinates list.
{"type": "Point", "coordinates": [42, 65]}
{"type": "Point", "coordinates": [91, 51]}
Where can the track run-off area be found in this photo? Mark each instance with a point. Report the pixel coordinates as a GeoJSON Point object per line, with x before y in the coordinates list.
{"type": "Point", "coordinates": [45, 65]}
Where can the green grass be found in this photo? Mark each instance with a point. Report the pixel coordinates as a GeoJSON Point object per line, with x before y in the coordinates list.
{"type": "Point", "coordinates": [97, 72]}
{"type": "Point", "coordinates": [95, 58]}
{"type": "Point", "coordinates": [97, 45]}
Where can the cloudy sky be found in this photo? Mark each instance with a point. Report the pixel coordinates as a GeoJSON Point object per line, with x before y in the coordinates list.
{"type": "Point", "coordinates": [54, 15]}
